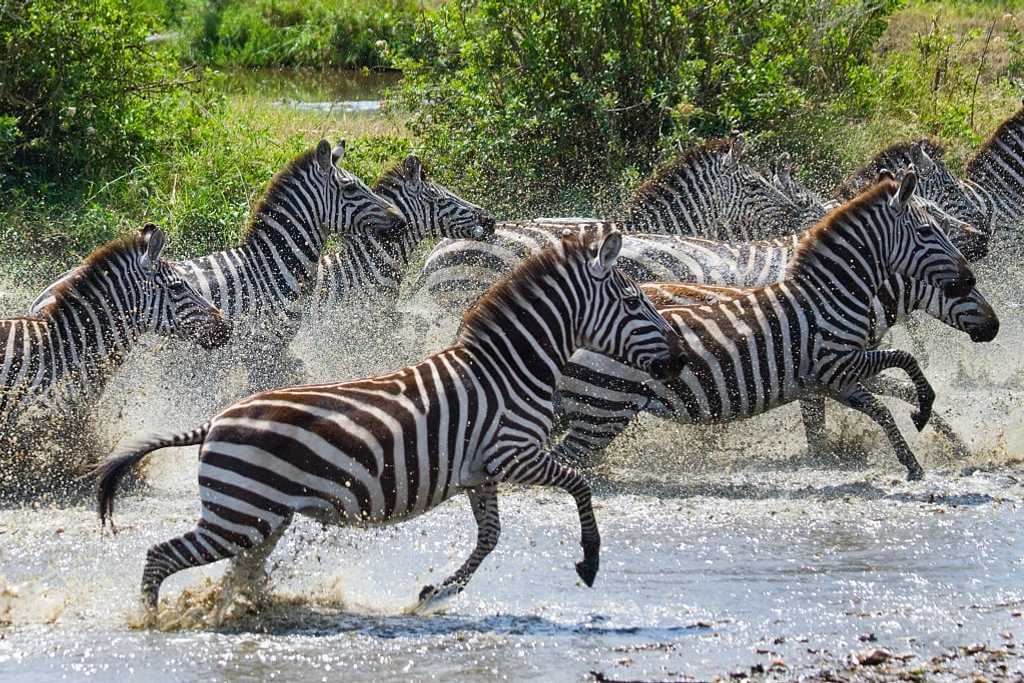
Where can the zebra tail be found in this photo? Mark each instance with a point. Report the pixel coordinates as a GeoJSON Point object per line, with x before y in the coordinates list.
{"type": "Point", "coordinates": [111, 471]}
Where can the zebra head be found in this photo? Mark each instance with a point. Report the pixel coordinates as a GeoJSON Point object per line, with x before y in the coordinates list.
{"type": "Point", "coordinates": [348, 205]}
{"type": "Point", "coordinates": [167, 303]}
{"type": "Point", "coordinates": [621, 322]}
{"type": "Point", "coordinates": [432, 209]}
{"type": "Point", "coordinates": [750, 199]}
{"type": "Point", "coordinates": [971, 313]}
{"type": "Point", "coordinates": [918, 247]}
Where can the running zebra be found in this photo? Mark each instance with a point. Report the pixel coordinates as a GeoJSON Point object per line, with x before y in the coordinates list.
{"type": "Point", "coordinates": [776, 344]}
{"type": "Point", "coordinates": [937, 184]}
{"type": "Point", "coordinates": [374, 265]}
{"type": "Point", "coordinates": [898, 298]}
{"type": "Point", "coordinates": [996, 175]}
{"type": "Point", "coordinates": [707, 193]}
{"type": "Point", "coordinates": [63, 357]}
{"type": "Point", "coordinates": [389, 448]}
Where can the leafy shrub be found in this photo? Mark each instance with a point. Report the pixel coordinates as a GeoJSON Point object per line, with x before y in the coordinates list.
{"type": "Point", "coordinates": [540, 97]}
{"type": "Point", "coordinates": [79, 86]}
{"type": "Point", "coordinates": [318, 33]}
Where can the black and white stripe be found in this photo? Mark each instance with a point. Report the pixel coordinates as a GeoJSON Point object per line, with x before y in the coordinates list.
{"type": "Point", "coordinates": [707, 193]}
{"type": "Point", "coordinates": [87, 322]}
{"type": "Point", "coordinates": [810, 333]}
{"type": "Point", "coordinates": [392, 447]}
{"type": "Point", "coordinates": [370, 268]}
{"type": "Point", "coordinates": [996, 177]}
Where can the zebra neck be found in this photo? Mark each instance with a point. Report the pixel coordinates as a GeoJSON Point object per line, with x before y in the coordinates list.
{"type": "Point", "coordinates": [93, 326]}
{"type": "Point", "coordinates": [528, 354]}
{"type": "Point", "coordinates": [997, 172]}
{"type": "Point", "coordinates": [286, 246]}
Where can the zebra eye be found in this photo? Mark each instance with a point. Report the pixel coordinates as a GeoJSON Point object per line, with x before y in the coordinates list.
{"type": "Point", "coordinates": [632, 302]}
{"type": "Point", "coordinates": [924, 230]}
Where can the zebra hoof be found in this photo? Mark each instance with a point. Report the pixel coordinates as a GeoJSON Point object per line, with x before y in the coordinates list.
{"type": "Point", "coordinates": [426, 592]}
{"type": "Point", "coordinates": [915, 474]}
{"type": "Point", "coordinates": [432, 596]}
{"type": "Point", "coordinates": [587, 570]}
{"type": "Point", "coordinates": [920, 418]}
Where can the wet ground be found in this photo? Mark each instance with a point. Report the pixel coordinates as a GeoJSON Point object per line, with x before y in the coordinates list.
{"type": "Point", "coordinates": [728, 553]}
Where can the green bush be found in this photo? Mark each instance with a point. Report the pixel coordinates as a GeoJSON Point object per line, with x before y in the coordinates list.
{"type": "Point", "coordinates": [80, 88]}
{"type": "Point", "coordinates": [317, 33]}
{"type": "Point", "coordinates": [539, 98]}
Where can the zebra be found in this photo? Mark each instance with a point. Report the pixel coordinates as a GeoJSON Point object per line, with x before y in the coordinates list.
{"type": "Point", "coordinates": [894, 302]}
{"type": "Point", "coordinates": [88, 321]}
{"type": "Point", "coordinates": [937, 184]}
{"type": "Point", "coordinates": [707, 192]}
{"type": "Point", "coordinates": [374, 265]}
{"type": "Point", "coordinates": [775, 344]}
{"type": "Point", "coordinates": [995, 175]}
{"type": "Point", "coordinates": [388, 448]}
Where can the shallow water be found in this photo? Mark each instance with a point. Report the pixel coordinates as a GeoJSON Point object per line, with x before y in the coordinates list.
{"type": "Point", "coordinates": [329, 91]}
{"type": "Point", "coordinates": [723, 550]}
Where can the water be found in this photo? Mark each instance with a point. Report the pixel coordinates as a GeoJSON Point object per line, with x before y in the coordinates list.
{"type": "Point", "coordinates": [723, 550]}
{"type": "Point", "coordinates": [329, 91]}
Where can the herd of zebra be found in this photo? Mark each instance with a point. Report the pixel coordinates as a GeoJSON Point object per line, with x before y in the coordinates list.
{"type": "Point", "coordinates": [755, 292]}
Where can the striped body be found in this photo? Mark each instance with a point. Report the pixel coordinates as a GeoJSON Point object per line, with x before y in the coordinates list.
{"type": "Point", "coordinates": [996, 177]}
{"type": "Point", "coordinates": [384, 449]}
{"type": "Point", "coordinates": [708, 193]}
{"type": "Point", "coordinates": [370, 268]}
{"type": "Point", "coordinates": [599, 397]}
{"type": "Point", "coordinates": [758, 349]}
{"type": "Point", "coordinates": [63, 358]}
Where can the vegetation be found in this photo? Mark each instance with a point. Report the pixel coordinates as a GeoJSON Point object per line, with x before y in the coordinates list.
{"type": "Point", "coordinates": [102, 128]}
{"type": "Point", "coordinates": [315, 33]}
{"type": "Point", "coordinates": [501, 91]}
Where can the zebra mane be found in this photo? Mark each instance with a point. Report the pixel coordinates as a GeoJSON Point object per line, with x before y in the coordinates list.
{"type": "Point", "coordinates": [688, 159]}
{"type": "Point", "coordinates": [572, 246]}
{"type": "Point", "coordinates": [836, 217]}
{"type": "Point", "coordinates": [91, 265]}
{"type": "Point", "coordinates": [280, 179]}
{"type": "Point", "coordinates": [1014, 122]}
{"type": "Point", "coordinates": [887, 158]}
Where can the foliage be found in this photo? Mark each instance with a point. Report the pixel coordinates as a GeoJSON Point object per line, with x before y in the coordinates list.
{"type": "Point", "coordinates": [80, 88]}
{"type": "Point", "coordinates": [534, 97]}
{"type": "Point", "coordinates": [317, 33]}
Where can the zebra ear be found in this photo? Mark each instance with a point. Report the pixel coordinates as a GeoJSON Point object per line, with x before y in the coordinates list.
{"type": "Point", "coordinates": [323, 156]}
{"type": "Point", "coordinates": [736, 147]}
{"type": "Point", "coordinates": [907, 187]}
{"type": "Point", "coordinates": [608, 252]}
{"type": "Point", "coordinates": [413, 169]}
{"type": "Point", "coordinates": [154, 238]}
{"type": "Point", "coordinates": [922, 161]}
{"type": "Point", "coordinates": [338, 153]}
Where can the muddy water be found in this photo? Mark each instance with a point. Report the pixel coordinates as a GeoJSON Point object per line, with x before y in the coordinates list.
{"type": "Point", "coordinates": [723, 550]}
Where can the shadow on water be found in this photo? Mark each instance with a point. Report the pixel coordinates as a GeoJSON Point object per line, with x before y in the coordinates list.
{"type": "Point", "coordinates": [303, 619]}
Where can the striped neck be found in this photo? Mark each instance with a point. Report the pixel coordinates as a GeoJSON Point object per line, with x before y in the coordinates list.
{"type": "Point", "coordinates": [99, 317]}
{"type": "Point", "coordinates": [997, 171]}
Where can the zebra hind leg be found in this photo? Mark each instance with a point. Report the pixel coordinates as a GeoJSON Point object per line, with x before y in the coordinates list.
{"type": "Point", "coordinates": [201, 546]}
{"type": "Point", "coordinates": [542, 470]}
{"type": "Point", "coordinates": [484, 501]}
{"type": "Point", "coordinates": [861, 399]}
{"type": "Point", "coordinates": [248, 575]}
{"type": "Point", "coordinates": [812, 410]}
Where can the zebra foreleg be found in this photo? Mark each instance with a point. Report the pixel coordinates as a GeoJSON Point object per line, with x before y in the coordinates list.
{"type": "Point", "coordinates": [542, 470]}
{"type": "Point", "coordinates": [873, 362]}
{"type": "Point", "coordinates": [861, 399]}
{"type": "Point", "coordinates": [905, 391]}
{"type": "Point", "coordinates": [484, 501]}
